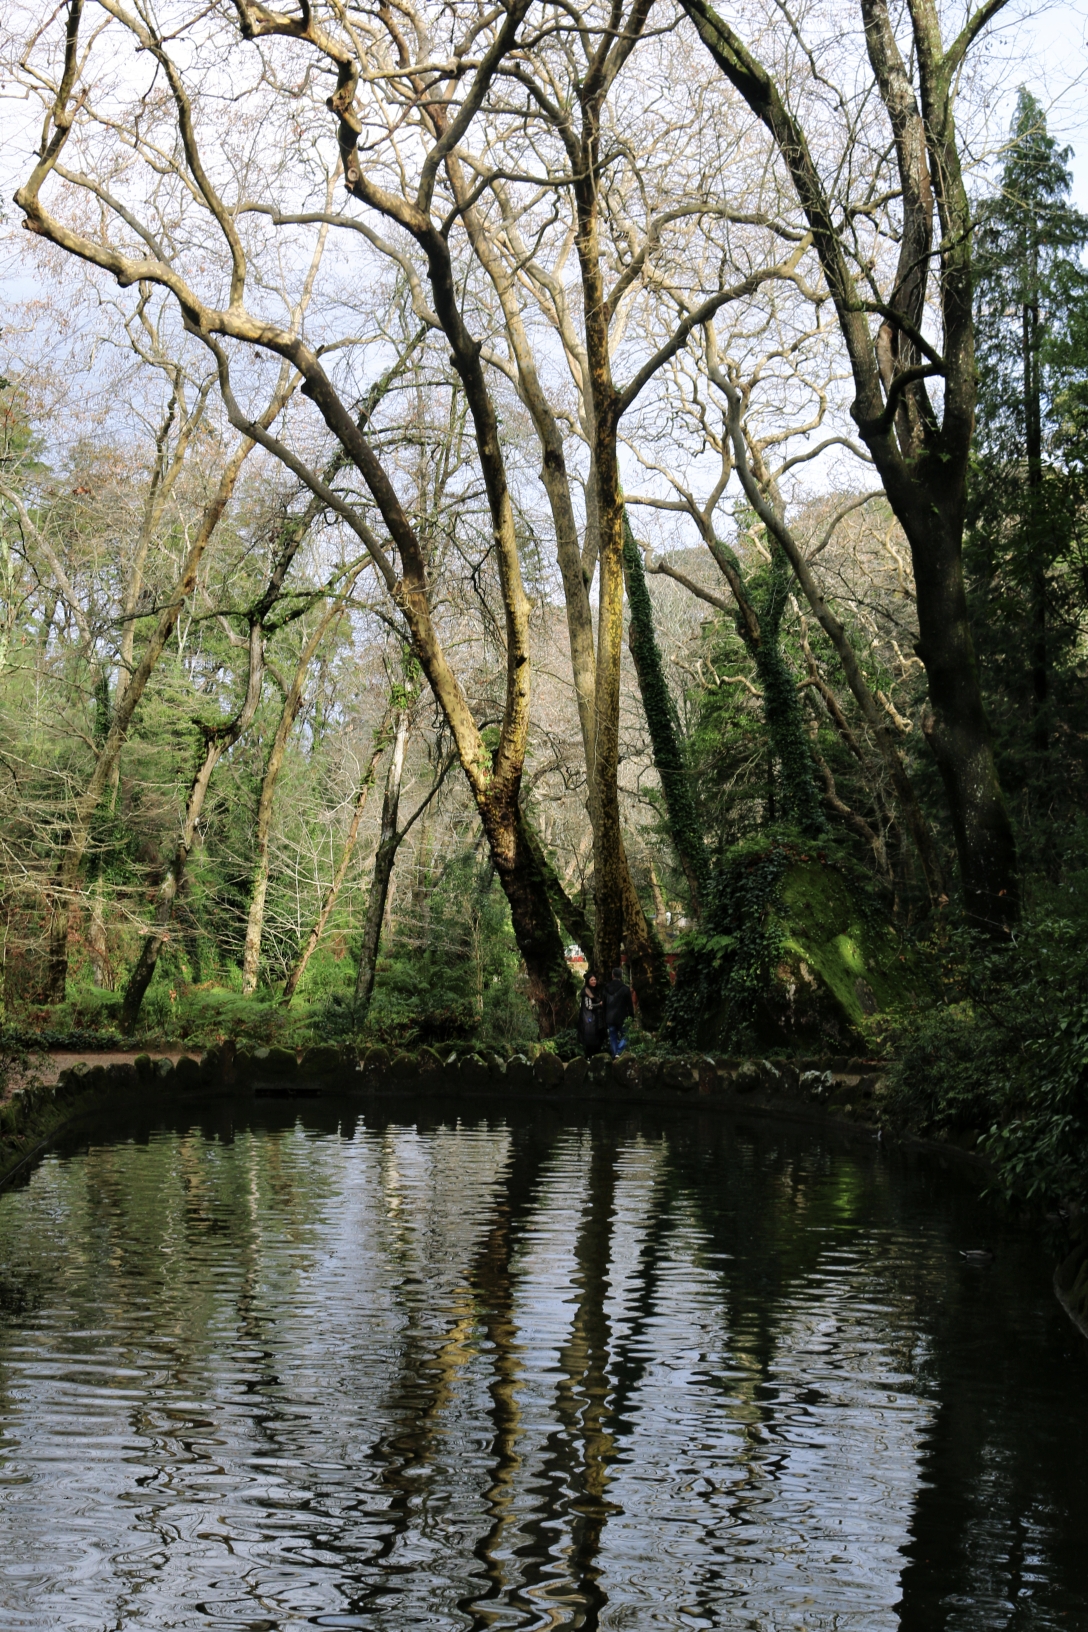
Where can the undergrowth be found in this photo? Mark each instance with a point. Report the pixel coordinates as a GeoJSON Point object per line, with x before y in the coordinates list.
{"type": "Point", "coordinates": [1003, 1059]}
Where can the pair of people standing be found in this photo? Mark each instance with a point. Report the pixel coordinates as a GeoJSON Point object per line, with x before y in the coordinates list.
{"type": "Point", "coordinates": [603, 1012]}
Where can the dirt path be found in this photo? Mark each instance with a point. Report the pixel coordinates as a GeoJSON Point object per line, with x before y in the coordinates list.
{"type": "Point", "coordinates": [47, 1066]}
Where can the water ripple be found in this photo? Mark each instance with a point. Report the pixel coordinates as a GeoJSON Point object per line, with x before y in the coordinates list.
{"type": "Point", "coordinates": [525, 1374]}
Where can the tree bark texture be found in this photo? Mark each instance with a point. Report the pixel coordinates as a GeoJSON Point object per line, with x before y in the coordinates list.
{"type": "Point", "coordinates": [569, 914]}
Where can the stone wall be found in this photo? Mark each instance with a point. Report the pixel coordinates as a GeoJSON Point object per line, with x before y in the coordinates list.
{"type": "Point", "coordinates": [845, 1090]}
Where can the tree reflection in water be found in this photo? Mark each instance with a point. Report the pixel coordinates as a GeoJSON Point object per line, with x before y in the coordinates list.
{"type": "Point", "coordinates": [527, 1372]}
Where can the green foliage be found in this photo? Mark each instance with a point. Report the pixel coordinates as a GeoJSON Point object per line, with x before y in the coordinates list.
{"type": "Point", "coordinates": [1003, 1063]}
{"type": "Point", "coordinates": [456, 975]}
{"type": "Point", "coordinates": [1026, 549]}
{"type": "Point", "coordinates": [795, 954]}
{"type": "Point", "coordinates": [728, 962]}
{"type": "Point", "coordinates": [661, 718]}
{"type": "Point", "coordinates": [782, 704]}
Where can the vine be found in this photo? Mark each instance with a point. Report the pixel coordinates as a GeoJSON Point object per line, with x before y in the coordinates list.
{"type": "Point", "coordinates": [728, 962]}
{"type": "Point", "coordinates": [759, 625]}
{"type": "Point", "coordinates": [665, 735]}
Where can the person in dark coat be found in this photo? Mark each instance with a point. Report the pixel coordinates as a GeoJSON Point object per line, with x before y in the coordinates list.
{"type": "Point", "coordinates": [618, 1009]}
{"type": "Point", "coordinates": [591, 1021]}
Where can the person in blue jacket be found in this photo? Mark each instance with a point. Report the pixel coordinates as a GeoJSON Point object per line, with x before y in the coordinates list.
{"type": "Point", "coordinates": [618, 1009]}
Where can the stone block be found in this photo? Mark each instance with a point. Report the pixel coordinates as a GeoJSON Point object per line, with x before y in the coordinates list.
{"type": "Point", "coordinates": [144, 1067]}
{"type": "Point", "coordinates": [519, 1073]}
{"type": "Point", "coordinates": [164, 1070]}
{"type": "Point", "coordinates": [121, 1074]}
{"type": "Point", "coordinates": [574, 1077]}
{"type": "Point", "coordinates": [679, 1076]}
{"type": "Point", "coordinates": [626, 1076]}
{"type": "Point", "coordinates": [548, 1071]}
{"type": "Point", "coordinates": [747, 1078]}
{"type": "Point", "coordinates": [74, 1080]}
{"type": "Point", "coordinates": [320, 1061]}
{"type": "Point", "coordinates": [275, 1062]}
{"type": "Point", "coordinates": [187, 1073]}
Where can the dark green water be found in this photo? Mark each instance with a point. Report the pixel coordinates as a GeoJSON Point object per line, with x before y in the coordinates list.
{"type": "Point", "coordinates": [293, 1368]}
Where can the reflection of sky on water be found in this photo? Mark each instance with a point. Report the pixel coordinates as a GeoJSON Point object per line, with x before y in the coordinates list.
{"type": "Point", "coordinates": [526, 1376]}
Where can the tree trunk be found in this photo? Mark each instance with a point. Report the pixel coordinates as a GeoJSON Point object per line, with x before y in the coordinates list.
{"type": "Point", "coordinates": [664, 727]}
{"type": "Point", "coordinates": [577, 568]}
{"type": "Point", "coordinates": [298, 968]}
{"type": "Point", "coordinates": [251, 958]}
{"type": "Point", "coordinates": [646, 965]}
{"type": "Point", "coordinates": [551, 986]}
{"type": "Point", "coordinates": [568, 913]}
{"type": "Point", "coordinates": [957, 731]}
{"type": "Point", "coordinates": [388, 845]}
{"type": "Point", "coordinates": [1033, 416]}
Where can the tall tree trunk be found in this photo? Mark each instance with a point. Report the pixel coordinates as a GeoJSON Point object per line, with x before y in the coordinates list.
{"type": "Point", "coordinates": [577, 567]}
{"type": "Point", "coordinates": [251, 958]}
{"type": "Point", "coordinates": [664, 727]}
{"type": "Point", "coordinates": [384, 860]}
{"type": "Point", "coordinates": [298, 968]}
{"type": "Point", "coordinates": [568, 913]}
{"type": "Point", "coordinates": [1033, 415]}
{"type": "Point", "coordinates": [646, 963]}
{"type": "Point", "coordinates": [526, 887]}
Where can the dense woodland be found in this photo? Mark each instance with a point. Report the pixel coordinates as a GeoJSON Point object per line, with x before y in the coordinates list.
{"type": "Point", "coordinates": [477, 482]}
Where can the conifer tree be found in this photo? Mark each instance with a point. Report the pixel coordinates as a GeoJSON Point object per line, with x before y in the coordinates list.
{"type": "Point", "coordinates": [1031, 302]}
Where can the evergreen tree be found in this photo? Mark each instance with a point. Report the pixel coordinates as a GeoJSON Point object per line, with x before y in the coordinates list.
{"type": "Point", "coordinates": [1028, 487]}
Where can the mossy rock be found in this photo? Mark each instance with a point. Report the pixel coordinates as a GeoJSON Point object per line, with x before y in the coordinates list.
{"type": "Point", "coordinates": [320, 1061]}
{"type": "Point", "coordinates": [519, 1073]}
{"type": "Point", "coordinates": [548, 1071]}
{"type": "Point", "coordinates": [187, 1073]}
{"type": "Point", "coordinates": [275, 1062]}
{"type": "Point", "coordinates": [838, 967]}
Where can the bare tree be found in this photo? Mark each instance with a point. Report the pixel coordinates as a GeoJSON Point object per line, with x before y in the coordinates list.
{"type": "Point", "coordinates": [918, 201]}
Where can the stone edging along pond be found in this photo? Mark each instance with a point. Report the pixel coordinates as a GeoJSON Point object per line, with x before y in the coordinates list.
{"type": "Point", "coordinates": [848, 1092]}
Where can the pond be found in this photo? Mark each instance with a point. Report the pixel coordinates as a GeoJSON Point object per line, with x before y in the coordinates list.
{"type": "Point", "coordinates": [276, 1366]}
